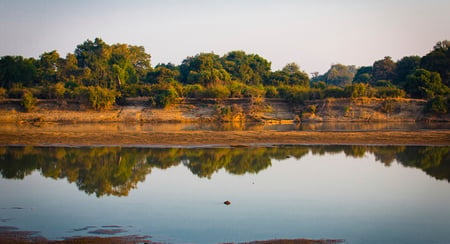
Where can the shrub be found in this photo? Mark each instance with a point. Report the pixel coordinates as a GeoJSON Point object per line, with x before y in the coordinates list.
{"type": "Point", "coordinates": [218, 92]}
{"type": "Point", "coordinates": [236, 89]}
{"type": "Point", "coordinates": [384, 92]}
{"type": "Point", "coordinates": [271, 92]}
{"type": "Point", "coordinates": [231, 113]}
{"type": "Point", "coordinates": [334, 91]}
{"type": "Point", "coordinates": [194, 91]}
{"type": "Point", "coordinates": [135, 90]}
{"type": "Point", "coordinates": [359, 90]}
{"type": "Point", "coordinates": [101, 98]}
{"type": "Point", "coordinates": [162, 95]}
{"type": "Point", "coordinates": [253, 91]}
{"type": "Point", "coordinates": [300, 95]}
{"type": "Point", "coordinates": [312, 109]}
{"type": "Point", "coordinates": [28, 101]}
{"type": "Point", "coordinates": [383, 83]}
{"type": "Point", "coordinates": [2, 93]}
{"type": "Point", "coordinates": [59, 90]}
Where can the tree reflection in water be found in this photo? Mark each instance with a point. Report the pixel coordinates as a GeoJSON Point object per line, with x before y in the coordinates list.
{"type": "Point", "coordinates": [116, 170]}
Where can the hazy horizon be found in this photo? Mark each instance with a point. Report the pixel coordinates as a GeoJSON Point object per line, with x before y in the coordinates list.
{"type": "Point", "coordinates": [314, 34]}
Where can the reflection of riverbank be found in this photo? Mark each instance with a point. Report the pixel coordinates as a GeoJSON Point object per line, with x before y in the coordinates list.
{"type": "Point", "coordinates": [117, 170]}
{"type": "Point", "coordinates": [138, 127]}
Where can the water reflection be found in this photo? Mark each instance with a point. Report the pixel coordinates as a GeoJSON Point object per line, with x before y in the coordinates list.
{"type": "Point", "coordinates": [137, 127]}
{"type": "Point", "coordinates": [116, 170]}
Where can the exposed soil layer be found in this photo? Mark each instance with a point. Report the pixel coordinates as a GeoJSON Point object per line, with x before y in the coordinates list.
{"type": "Point", "coordinates": [221, 138]}
{"type": "Point", "coordinates": [194, 110]}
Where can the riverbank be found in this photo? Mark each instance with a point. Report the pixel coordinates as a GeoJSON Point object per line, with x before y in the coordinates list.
{"type": "Point", "coordinates": [194, 111]}
{"type": "Point", "coordinates": [36, 137]}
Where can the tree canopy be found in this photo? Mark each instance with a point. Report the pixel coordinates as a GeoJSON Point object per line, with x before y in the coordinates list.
{"type": "Point", "coordinates": [125, 71]}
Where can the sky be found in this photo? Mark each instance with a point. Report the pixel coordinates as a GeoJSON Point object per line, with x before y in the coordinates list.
{"type": "Point", "coordinates": [312, 33]}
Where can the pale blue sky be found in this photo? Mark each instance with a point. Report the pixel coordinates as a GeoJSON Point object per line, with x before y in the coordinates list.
{"type": "Point", "coordinates": [312, 33]}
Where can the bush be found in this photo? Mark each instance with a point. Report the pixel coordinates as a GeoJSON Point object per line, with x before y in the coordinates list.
{"type": "Point", "coordinates": [101, 98]}
{"type": "Point", "coordinates": [253, 91]}
{"type": "Point", "coordinates": [162, 95]}
{"type": "Point", "coordinates": [96, 97]}
{"type": "Point", "coordinates": [438, 105]}
{"type": "Point", "coordinates": [59, 90]}
{"type": "Point", "coordinates": [194, 91]}
{"type": "Point", "coordinates": [135, 90]}
{"type": "Point", "coordinates": [384, 92]}
{"type": "Point", "coordinates": [236, 89]}
{"type": "Point", "coordinates": [271, 92]}
{"type": "Point", "coordinates": [312, 109]}
{"type": "Point", "coordinates": [28, 101]}
{"type": "Point", "coordinates": [231, 113]}
{"type": "Point", "coordinates": [2, 93]}
{"type": "Point", "coordinates": [334, 91]}
{"type": "Point", "coordinates": [316, 93]}
{"type": "Point", "coordinates": [218, 92]}
{"type": "Point", "coordinates": [359, 90]}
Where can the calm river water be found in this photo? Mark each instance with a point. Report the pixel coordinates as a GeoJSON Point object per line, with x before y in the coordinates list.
{"type": "Point", "coordinates": [362, 194]}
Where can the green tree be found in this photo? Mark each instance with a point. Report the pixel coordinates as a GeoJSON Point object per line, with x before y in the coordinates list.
{"type": "Point", "coordinates": [48, 67]}
{"type": "Point", "coordinates": [438, 60]}
{"type": "Point", "coordinates": [290, 75]}
{"type": "Point", "coordinates": [28, 101]}
{"type": "Point", "coordinates": [383, 69]}
{"type": "Point", "coordinates": [101, 98]}
{"type": "Point", "coordinates": [405, 67]}
{"type": "Point", "coordinates": [425, 84]}
{"type": "Point", "coordinates": [162, 95]}
{"type": "Point", "coordinates": [204, 69]}
{"type": "Point", "coordinates": [437, 104]}
{"type": "Point", "coordinates": [250, 69]}
{"type": "Point", "coordinates": [163, 74]}
{"type": "Point", "coordinates": [363, 75]}
{"type": "Point", "coordinates": [17, 70]}
{"type": "Point", "coordinates": [95, 56]}
{"type": "Point", "coordinates": [129, 64]}
{"type": "Point", "coordinates": [340, 75]}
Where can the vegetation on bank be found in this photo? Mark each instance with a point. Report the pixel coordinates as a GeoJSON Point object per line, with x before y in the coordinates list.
{"type": "Point", "coordinates": [100, 75]}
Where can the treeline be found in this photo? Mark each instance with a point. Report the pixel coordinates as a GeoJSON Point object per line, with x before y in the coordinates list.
{"type": "Point", "coordinates": [101, 75]}
{"type": "Point", "coordinates": [118, 170]}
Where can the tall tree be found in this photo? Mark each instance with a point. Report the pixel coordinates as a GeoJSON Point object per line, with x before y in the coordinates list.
{"type": "Point", "coordinates": [250, 69]}
{"type": "Point", "coordinates": [163, 74]}
{"type": "Point", "coordinates": [383, 69]}
{"type": "Point", "coordinates": [363, 75]}
{"type": "Point", "coordinates": [17, 70]}
{"type": "Point", "coordinates": [405, 67]}
{"type": "Point", "coordinates": [95, 56]}
{"type": "Point", "coordinates": [340, 75]}
{"type": "Point", "coordinates": [425, 84]}
{"type": "Point", "coordinates": [48, 67]}
{"type": "Point", "coordinates": [205, 69]}
{"type": "Point", "coordinates": [438, 60]}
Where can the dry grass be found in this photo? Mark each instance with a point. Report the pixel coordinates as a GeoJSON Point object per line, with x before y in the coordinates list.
{"type": "Point", "coordinates": [220, 138]}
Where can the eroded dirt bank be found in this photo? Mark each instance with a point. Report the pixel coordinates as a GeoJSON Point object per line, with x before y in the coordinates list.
{"type": "Point", "coordinates": [221, 138]}
{"type": "Point", "coordinates": [192, 110]}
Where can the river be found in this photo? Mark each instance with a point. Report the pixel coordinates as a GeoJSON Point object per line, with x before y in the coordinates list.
{"type": "Point", "coordinates": [360, 194]}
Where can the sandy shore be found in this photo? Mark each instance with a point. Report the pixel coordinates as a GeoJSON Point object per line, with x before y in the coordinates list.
{"type": "Point", "coordinates": [221, 138]}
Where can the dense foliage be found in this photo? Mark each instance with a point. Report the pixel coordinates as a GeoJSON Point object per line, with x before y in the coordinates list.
{"type": "Point", "coordinates": [99, 74]}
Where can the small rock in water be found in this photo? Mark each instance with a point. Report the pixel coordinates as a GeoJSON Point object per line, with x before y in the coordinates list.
{"type": "Point", "coordinates": [227, 202]}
